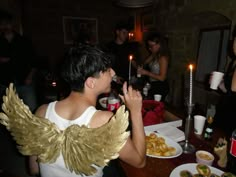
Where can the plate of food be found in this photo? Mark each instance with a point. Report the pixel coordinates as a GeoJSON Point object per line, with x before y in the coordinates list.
{"type": "Point", "coordinates": [196, 170]}
{"type": "Point", "coordinates": [160, 146]}
{"type": "Point", "coordinates": [103, 102]}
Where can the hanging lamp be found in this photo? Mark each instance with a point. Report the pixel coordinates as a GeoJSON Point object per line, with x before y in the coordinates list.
{"type": "Point", "coordinates": [134, 3]}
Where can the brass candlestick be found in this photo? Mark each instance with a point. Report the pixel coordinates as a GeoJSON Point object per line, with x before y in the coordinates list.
{"type": "Point", "coordinates": [186, 146]}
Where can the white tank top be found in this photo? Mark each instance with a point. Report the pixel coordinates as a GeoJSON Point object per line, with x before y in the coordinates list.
{"type": "Point", "coordinates": [58, 169]}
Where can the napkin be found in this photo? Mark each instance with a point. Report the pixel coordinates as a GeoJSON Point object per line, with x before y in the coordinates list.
{"type": "Point", "coordinates": [171, 132]}
{"type": "Point", "coordinates": [221, 150]}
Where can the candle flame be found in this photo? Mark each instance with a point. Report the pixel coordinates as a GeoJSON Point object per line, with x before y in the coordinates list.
{"type": "Point", "coordinates": [131, 35]}
{"type": "Point", "coordinates": [130, 57]}
{"type": "Point", "coordinates": [191, 67]}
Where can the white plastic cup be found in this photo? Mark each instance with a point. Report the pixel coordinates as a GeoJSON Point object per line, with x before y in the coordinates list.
{"type": "Point", "coordinates": [216, 79]}
{"type": "Point", "coordinates": [157, 97]}
{"type": "Point", "coordinates": [199, 122]}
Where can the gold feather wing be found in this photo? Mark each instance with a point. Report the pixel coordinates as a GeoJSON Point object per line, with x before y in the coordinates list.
{"type": "Point", "coordinates": [80, 146]}
{"type": "Point", "coordinates": [95, 146]}
{"type": "Point", "coordinates": [34, 135]}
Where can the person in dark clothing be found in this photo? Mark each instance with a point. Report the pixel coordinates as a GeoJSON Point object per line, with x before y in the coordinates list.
{"type": "Point", "coordinates": [225, 110]}
{"type": "Point", "coordinates": [120, 48]}
{"type": "Point", "coordinates": [17, 60]}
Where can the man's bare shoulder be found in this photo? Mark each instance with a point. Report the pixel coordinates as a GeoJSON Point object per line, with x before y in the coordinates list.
{"type": "Point", "coordinates": [41, 111]}
{"type": "Point", "coordinates": [100, 118]}
{"type": "Point", "coordinates": [106, 114]}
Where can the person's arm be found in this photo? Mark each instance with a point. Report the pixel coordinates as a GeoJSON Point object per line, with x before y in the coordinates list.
{"type": "Point", "coordinates": [222, 86]}
{"type": "Point", "coordinates": [163, 70]}
{"type": "Point", "coordinates": [134, 151]}
{"type": "Point", "coordinates": [233, 86]}
{"type": "Point", "coordinates": [33, 160]}
{"type": "Point", "coordinates": [33, 165]}
{"type": "Point", "coordinates": [148, 59]}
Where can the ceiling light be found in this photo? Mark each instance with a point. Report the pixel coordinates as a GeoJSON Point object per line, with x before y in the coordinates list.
{"type": "Point", "coordinates": [134, 3]}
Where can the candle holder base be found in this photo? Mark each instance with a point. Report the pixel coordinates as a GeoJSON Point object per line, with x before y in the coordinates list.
{"type": "Point", "coordinates": [187, 147]}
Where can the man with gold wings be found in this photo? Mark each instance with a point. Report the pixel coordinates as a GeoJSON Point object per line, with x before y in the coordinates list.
{"type": "Point", "coordinates": [71, 137]}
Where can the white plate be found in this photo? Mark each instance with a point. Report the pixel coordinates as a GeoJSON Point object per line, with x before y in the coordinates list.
{"type": "Point", "coordinates": [169, 142]}
{"type": "Point", "coordinates": [191, 167]}
{"type": "Point", "coordinates": [103, 102]}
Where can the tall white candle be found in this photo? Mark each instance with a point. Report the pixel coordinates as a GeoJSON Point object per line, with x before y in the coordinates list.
{"type": "Point", "coordinates": [130, 60]}
{"type": "Point", "coordinates": [191, 85]}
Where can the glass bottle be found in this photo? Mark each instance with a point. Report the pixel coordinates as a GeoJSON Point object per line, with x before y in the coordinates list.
{"type": "Point", "coordinates": [145, 93]}
{"type": "Point", "coordinates": [138, 75]}
{"type": "Point", "coordinates": [209, 128]}
{"type": "Point", "coordinates": [231, 165]}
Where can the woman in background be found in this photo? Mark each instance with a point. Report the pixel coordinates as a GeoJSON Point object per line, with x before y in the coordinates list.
{"type": "Point", "coordinates": [156, 65]}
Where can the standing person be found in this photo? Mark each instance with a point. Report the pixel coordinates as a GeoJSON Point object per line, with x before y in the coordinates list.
{"type": "Point", "coordinates": [120, 48]}
{"type": "Point", "coordinates": [17, 60]}
{"type": "Point", "coordinates": [225, 110]}
{"type": "Point", "coordinates": [88, 72]}
{"type": "Point", "coordinates": [156, 65]}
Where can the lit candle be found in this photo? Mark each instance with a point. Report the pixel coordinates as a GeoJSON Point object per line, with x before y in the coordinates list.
{"type": "Point", "coordinates": [131, 35]}
{"type": "Point", "coordinates": [130, 60]}
{"type": "Point", "coordinates": [191, 85]}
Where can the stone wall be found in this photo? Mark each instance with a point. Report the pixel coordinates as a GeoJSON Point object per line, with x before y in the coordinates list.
{"type": "Point", "coordinates": [182, 22]}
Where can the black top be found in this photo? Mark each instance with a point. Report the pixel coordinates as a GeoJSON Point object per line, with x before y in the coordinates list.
{"type": "Point", "coordinates": [120, 54]}
{"type": "Point", "coordinates": [225, 110]}
{"type": "Point", "coordinates": [228, 77]}
{"type": "Point", "coordinates": [22, 57]}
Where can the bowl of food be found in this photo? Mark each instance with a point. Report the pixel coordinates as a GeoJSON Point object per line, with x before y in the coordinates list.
{"type": "Point", "coordinates": [204, 157]}
{"type": "Point", "coordinates": [103, 102]}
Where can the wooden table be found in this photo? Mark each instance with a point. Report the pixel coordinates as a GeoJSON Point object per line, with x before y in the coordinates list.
{"type": "Point", "coordinates": [156, 167]}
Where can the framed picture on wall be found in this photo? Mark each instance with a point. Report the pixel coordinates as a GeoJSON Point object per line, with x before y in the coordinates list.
{"type": "Point", "coordinates": [78, 28]}
{"type": "Point", "coordinates": [148, 21]}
